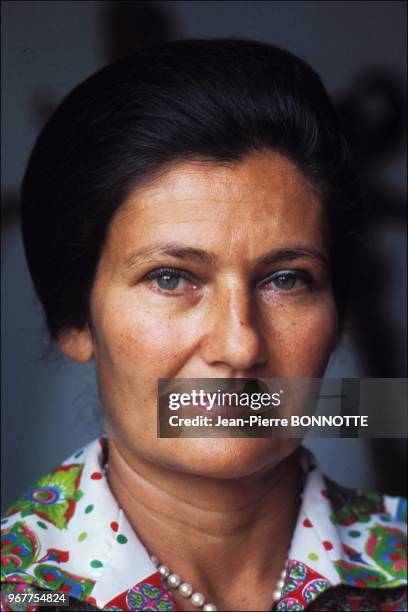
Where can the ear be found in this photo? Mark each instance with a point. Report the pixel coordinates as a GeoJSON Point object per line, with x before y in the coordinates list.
{"type": "Point", "coordinates": [77, 344]}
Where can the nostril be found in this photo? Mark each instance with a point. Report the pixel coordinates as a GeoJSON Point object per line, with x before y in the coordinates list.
{"type": "Point", "coordinates": [253, 386]}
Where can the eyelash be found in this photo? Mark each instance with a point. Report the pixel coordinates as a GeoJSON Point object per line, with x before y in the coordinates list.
{"type": "Point", "coordinates": [178, 273]}
{"type": "Point", "coordinates": [301, 275]}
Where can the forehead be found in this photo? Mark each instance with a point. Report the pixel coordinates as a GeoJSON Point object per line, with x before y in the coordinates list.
{"type": "Point", "coordinates": [262, 196]}
{"type": "Point", "coordinates": [258, 176]}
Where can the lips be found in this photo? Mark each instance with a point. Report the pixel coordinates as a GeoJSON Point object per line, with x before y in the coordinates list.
{"type": "Point", "coordinates": [234, 409]}
{"type": "Point", "coordinates": [217, 409]}
{"type": "Point", "coordinates": [225, 385]}
{"type": "Point", "coordinates": [225, 397]}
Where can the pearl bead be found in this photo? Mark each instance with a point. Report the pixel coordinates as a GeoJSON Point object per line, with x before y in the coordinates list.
{"type": "Point", "coordinates": [197, 599]}
{"type": "Point", "coordinates": [280, 584]}
{"type": "Point", "coordinates": [164, 571]}
{"type": "Point", "coordinates": [185, 589]}
{"type": "Point", "coordinates": [276, 595]}
{"type": "Point", "coordinates": [174, 580]}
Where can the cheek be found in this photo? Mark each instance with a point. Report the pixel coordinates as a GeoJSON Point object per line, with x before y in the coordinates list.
{"type": "Point", "coordinates": [140, 343]}
{"type": "Point", "coordinates": [301, 341]}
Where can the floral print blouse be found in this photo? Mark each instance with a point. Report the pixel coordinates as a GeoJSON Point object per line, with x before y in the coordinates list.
{"type": "Point", "coordinates": [67, 533]}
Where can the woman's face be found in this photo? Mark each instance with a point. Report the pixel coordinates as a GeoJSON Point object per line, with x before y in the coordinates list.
{"type": "Point", "coordinates": [190, 284]}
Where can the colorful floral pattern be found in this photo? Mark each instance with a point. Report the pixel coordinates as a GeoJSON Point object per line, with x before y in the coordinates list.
{"type": "Point", "coordinates": [147, 595]}
{"type": "Point", "coordinates": [353, 555]}
{"type": "Point", "coordinates": [358, 575]}
{"type": "Point", "coordinates": [302, 585]}
{"type": "Point", "coordinates": [53, 554]}
{"type": "Point", "coordinates": [68, 533]}
{"type": "Point", "coordinates": [313, 589]}
{"type": "Point", "coordinates": [16, 588]}
{"type": "Point", "coordinates": [289, 603]}
{"type": "Point", "coordinates": [296, 576]}
{"type": "Point", "coordinates": [53, 497]}
{"type": "Point", "coordinates": [20, 546]}
{"type": "Point", "coordinates": [20, 551]}
{"type": "Point", "coordinates": [56, 579]}
{"type": "Point", "coordinates": [351, 506]}
{"type": "Point", "coordinates": [388, 547]}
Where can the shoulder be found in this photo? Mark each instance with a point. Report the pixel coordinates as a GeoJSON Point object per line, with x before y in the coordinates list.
{"type": "Point", "coordinates": [39, 530]}
{"type": "Point", "coordinates": [53, 498]}
{"type": "Point", "coordinates": [372, 532]}
{"type": "Point", "coordinates": [354, 505]}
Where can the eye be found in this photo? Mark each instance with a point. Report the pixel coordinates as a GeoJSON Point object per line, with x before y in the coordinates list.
{"type": "Point", "coordinates": [286, 280]}
{"type": "Point", "coordinates": [168, 281]}
{"type": "Point", "coordinates": [171, 280]}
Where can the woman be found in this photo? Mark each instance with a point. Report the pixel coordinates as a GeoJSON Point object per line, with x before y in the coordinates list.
{"type": "Point", "coordinates": [191, 212]}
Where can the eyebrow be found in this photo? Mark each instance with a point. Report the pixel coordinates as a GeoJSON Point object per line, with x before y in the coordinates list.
{"type": "Point", "coordinates": [288, 254]}
{"type": "Point", "coordinates": [193, 254]}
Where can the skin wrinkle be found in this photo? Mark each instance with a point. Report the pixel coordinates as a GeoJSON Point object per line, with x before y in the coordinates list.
{"type": "Point", "coordinates": [145, 256]}
{"type": "Point", "coordinates": [210, 511]}
{"type": "Point", "coordinates": [228, 327]}
{"type": "Point", "coordinates": [204, 506]}
{"type": "Point", "coordinates": [195, 165]}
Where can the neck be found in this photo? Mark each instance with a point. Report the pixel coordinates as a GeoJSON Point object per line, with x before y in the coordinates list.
{"type": "Point", "coordinates": [225, 537]}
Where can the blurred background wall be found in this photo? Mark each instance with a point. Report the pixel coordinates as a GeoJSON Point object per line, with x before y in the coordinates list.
{"type": "Point", "coordinates": [50, 406]}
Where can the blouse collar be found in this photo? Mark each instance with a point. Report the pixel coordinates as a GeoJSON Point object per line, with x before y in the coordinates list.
{"type": "Point", "coordinates": [68, 533]}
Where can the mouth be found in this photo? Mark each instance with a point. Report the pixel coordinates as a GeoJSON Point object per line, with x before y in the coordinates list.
{"type": "Point", "coordinates": [228, 411]}
{"type": "Point", "coordinates": [225, 397]}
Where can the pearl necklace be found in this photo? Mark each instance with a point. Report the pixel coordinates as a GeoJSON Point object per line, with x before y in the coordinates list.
{"type": "Point", "coordinates": [185, 589]}
{"type": "Point", "coordinates": [197, 599]}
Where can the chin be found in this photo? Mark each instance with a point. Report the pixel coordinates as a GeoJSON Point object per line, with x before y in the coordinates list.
{"type": "Point", "coordinates": [227, 458]}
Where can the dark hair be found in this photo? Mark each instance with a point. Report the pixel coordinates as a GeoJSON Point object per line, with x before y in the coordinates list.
{"type": "Point", "coordinates": [218, 99]}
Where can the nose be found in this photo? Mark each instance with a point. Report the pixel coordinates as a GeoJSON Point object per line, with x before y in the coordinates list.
{"type": "Point", "coordinates": [233, 338]}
